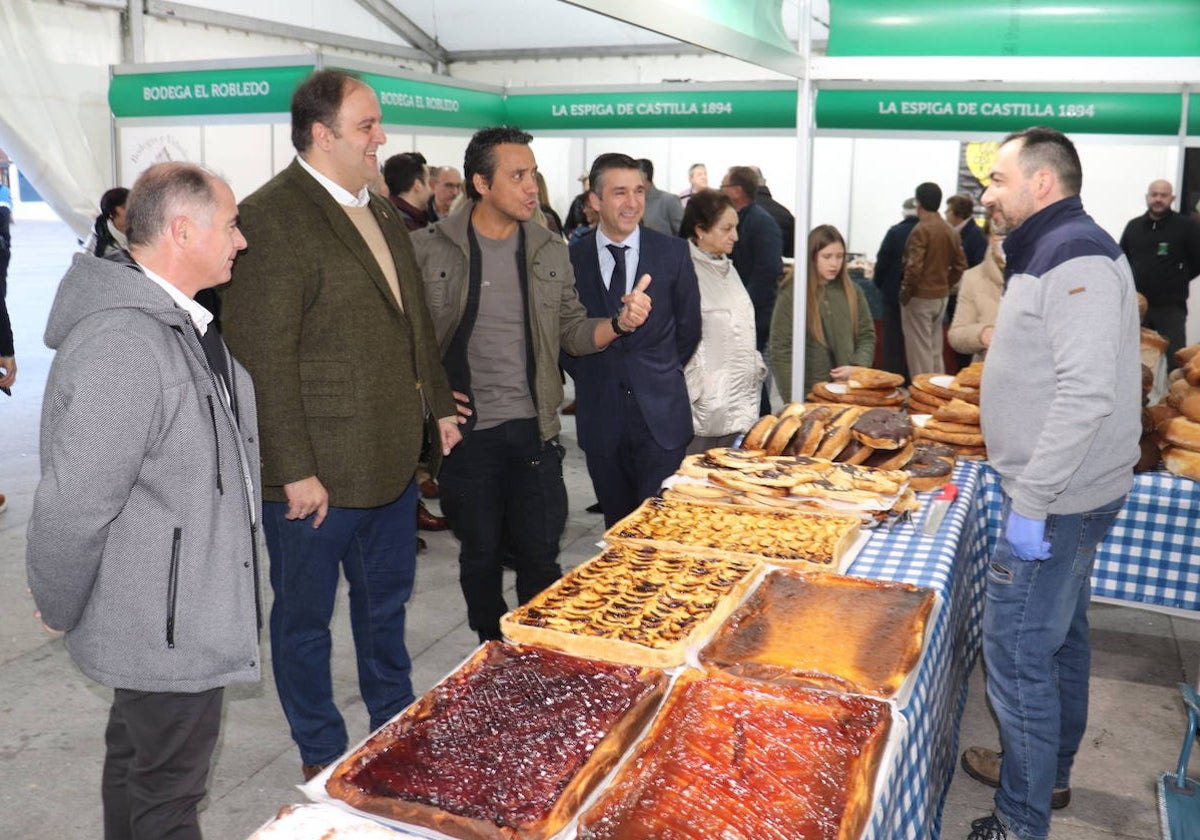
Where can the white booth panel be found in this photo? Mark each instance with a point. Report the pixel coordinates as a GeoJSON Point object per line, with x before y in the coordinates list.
{"type": "Point", "coordinates": [241, 154]}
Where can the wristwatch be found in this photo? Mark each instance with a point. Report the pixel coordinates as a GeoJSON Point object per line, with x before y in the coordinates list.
{"type": "Point", "coordinates": [616, 326]}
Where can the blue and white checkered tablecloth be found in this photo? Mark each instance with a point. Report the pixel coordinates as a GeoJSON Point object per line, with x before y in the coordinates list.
{"type": "Point", "coordinates": [952, 563]}
{"type": "Point", "coordinates": [1152, 554]}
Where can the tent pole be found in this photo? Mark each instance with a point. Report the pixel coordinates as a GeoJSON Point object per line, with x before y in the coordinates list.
{"type": "Point", "coordinates": [804, 138]}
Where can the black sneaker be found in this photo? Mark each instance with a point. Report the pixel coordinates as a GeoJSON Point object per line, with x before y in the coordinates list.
{"type": "Point", "coordinates": [987, 828]}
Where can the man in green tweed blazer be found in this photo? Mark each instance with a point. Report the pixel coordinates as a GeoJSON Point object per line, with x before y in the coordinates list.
{"type": "Point", "coordinates": [327, 311]}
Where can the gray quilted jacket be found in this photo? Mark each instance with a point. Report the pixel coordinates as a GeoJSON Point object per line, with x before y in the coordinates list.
{"type": "Point", "coordinates": [141, 544]}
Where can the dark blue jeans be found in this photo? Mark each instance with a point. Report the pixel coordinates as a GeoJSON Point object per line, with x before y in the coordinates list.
{"type": "Point", "coordinates": [1038, 656]}
{"type": "Point", "coordinates": [377, 549]}
{"type": "Point", "coordinates": [502, 491]}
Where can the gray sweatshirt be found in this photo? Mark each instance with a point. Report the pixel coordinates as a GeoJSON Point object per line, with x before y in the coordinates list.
{"type": "Point", "coordinates": [141, 544]}
{"type": "Point", "coordinates": [1061, 393]}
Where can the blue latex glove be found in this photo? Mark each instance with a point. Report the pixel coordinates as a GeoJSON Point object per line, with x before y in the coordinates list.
{"type": "Point", "coordinates": [1025, 537]}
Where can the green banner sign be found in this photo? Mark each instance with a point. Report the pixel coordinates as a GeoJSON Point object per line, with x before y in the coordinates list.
{"type": "Point", "coordinates": [242, 90]}
{"type": "Point", "coordinates": [408, 102]}
{"type": "Point", "coordinates": [1105, 28]}
{"type": "Point", "coordinates": [714, 109]}
{"type": "Point", "coordinates": [995, 111]}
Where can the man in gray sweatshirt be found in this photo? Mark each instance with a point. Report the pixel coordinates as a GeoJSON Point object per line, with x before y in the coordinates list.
{"type": "Point", "coordinates": [141, 544]}
{"type": "Point", "coordinates": [1060, 411]}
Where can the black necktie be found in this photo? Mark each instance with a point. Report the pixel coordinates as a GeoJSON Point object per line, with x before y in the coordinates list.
{"type": "Point", "coordinates": [616, 285]}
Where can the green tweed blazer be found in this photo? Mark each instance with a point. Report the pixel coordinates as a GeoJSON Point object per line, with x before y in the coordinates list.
{"type": "Point", "coordinates": [343, 375]}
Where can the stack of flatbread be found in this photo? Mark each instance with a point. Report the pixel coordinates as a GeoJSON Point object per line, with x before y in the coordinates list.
{"type": "Point", "coordinates": [955, 424]}
{"type": "Point", "coordinates": [931, 391]}
{"type": "Point", "coordinates": [865, 386]}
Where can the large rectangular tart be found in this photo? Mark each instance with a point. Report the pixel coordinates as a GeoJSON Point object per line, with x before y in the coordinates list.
{"type": "Point", "coordinates": [827, 631]}
{"type": "Point", "coordinates": [743, 760]}
{"type": "Point", "coordinates": [636, 604]}
{"type": "Point", "coordinates": [803, 540]}
{"type": "Point", "coordinates": [506, 748]}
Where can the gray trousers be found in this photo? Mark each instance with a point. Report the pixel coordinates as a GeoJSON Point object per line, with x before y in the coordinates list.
{"type": "Point", "coordinates": [922, 322]}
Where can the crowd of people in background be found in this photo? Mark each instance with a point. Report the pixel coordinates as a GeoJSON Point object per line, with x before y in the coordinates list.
{"type": "Point", "coordinates": [403, 318]}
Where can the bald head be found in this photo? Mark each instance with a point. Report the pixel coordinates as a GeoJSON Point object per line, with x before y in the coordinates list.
{"type": "Point", "coordinates": [1159, 196]}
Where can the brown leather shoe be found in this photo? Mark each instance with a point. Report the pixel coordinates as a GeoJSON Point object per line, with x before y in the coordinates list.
{"type": "Point", "coordinates": [311, 771]}
{"type": "Point", "coordinates": [429, 489]}
{"type": "Point", "coordinates": [421, 544]}
{"type": "Point", "coordinates": [427, 521]}
{"type": "Point", "coordinates": [569, 408]}
{"type": "Point", "coordinates": [983, 765]}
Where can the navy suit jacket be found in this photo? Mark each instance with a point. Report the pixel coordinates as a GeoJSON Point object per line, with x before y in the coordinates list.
{"type": "Point", "coordinates": [650, 361]}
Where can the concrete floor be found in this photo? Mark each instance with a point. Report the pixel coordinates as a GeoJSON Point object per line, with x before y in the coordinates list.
{"type": "Point", "coordinates": [52, 718]}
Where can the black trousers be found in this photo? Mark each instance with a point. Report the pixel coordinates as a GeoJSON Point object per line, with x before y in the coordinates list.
{"type": "Point", "coordinates": [502, 491]}
{"type": "Point", "coordinates": [156, 765]}
{"type": "Point", "coordinates": [1170, 320]}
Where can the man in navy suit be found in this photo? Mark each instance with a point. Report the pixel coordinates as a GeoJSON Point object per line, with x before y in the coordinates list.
{"type": "Point", "coordinates": [634, 417]}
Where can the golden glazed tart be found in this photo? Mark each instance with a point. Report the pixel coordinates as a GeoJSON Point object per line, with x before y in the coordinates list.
{"type": "Point", "coordinates": [740, 760]}
{"type": "Point", "coordinates": [506, 748]}
{"type": "Point", "coordinates": [782, 536]}
{"type": "Point", "coordinates": [635, 604]}
{"type": "Point", "coordinates": [826, 631]}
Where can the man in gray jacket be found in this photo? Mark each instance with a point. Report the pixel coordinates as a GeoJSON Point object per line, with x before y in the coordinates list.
{"type": "Point", "coordinates": [141, 544]}
{"type": "Point", "coordinates": [1060, 403]}
{"type": "Point", "coordinates": [501, 295]}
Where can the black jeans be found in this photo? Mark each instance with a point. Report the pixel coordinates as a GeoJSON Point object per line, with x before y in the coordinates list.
{"type": "Point", "coordinates": [156, 765]}
{"type": "Point", "coordinates": [503, 492]}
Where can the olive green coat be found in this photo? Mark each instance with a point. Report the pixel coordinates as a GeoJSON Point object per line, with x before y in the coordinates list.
{"type": "Point", "coordinates": [338, 367]}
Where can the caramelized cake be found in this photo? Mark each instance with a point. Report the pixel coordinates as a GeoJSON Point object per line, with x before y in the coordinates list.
{"type": "Point", "coordinates": [505, 748]}
{"type": "Point", "coordinates": [741, 760]}
{"type": "Point", "coordinates": [839, 633]}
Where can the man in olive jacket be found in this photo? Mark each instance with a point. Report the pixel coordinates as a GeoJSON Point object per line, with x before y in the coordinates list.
{"type": "Point", "coordinates": [327, 312]}
{"type": "Point", "coordinates": [502, 296]}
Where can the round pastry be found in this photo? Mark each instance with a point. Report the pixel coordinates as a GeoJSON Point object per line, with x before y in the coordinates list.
{"type": "Point", "coordinates": [1189, 406]}
{"type": "Point", "coordinates": [854, 453]}
{"type": "Point", "coordinates": [810, 431]}
{"type": "Point", "coordinates": [971, 453]}
{"type": "Point", "coordinates": [883, 428]}
{"type": "Point", "coordinates": [919, 406]}
{"type": "Point", "coordinates": [924, 382]}
{"type": "Point", "coordinates": [1142, 304]}
{"type": "Point", "coordinates": [970, 376]}
{"type": "Point", "coordinates": [1185, 462]}
{"type": "Point", "coordinates": [1191, 371]}
{"type": "Point", "coordinates": [685, 492]}
{"type": "Point", "coordinates": [856, 397]}
{"type": "Point", "coordinates": [948, 426]}
{"type": "Point", "coordinates": [890, 459]}
{"type": "Point", "coordinates": [791, 408]}
{"type": "Point", "coordinates": [957, 438]}
{"type": "Point", "coordinates": [1160, 413]}
{"type": "Point", "coordinates": [873, 379]}
{"type": "Point", "coordinates": [781, 434]}
{"type": "Point", "coordinates": [1151, 340]}
{"type": "Point", "coordinates": [1184, 354]}
{"type": "Point", "coordinates": [757, 436]}
{"type": "Point", "coordinates": [1180, 432]}
{"type": "Point", "coordinates": [958, 411]}
{"type": "Point", "coordinates": [926, 472]}
{"type": "Point", "coordinates": [1147, 381]}
{"type": "Point", "coordinates": [927, 449]}
{"type": "Point", "coordinates": [837, 431]}
{"type": "Point", "coordinates": [690, 466]}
